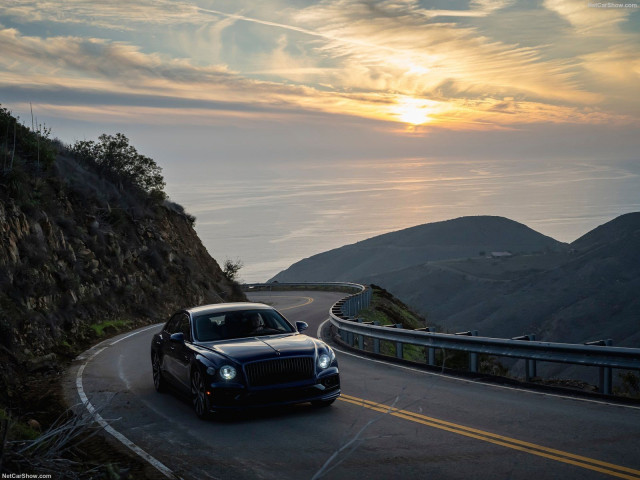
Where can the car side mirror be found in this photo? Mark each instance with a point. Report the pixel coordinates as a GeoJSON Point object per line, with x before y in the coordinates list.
{"type": "Point", "coordinates": [177, 337]}
{"type": "Point", "coordinates": [302, 326]}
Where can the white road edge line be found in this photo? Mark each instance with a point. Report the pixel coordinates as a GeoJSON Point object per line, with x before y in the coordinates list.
{"type": "Point", "coordinates": [103, 423]}
{"type": "Point", "coordinates": [468, 380]}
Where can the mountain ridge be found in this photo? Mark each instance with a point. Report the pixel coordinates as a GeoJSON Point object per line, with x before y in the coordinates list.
{"type": "Point", "coordinates": [422, 243]}
{"type": "Point", "coordinates": [576, 292]}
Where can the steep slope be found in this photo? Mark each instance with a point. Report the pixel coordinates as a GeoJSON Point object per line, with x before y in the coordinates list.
{"type": "Point", "coordinates": [587, 294]}
{"type": "Point", "coordinates": [458, 238]}
{"type": "Point", "coordinates": [80, 250]}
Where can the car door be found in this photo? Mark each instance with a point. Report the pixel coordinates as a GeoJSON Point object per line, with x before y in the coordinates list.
{"type": "Point", "coordinates": [168, 348]}
{"type": "Point", "coordinates": [178, 354]}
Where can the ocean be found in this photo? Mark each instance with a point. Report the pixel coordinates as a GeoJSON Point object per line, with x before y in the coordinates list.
{"type": "Point", "coordinates": [270, 216]}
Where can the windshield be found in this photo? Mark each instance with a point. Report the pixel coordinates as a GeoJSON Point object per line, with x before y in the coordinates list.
{"type": "Point", "coordinates": [239, 324]}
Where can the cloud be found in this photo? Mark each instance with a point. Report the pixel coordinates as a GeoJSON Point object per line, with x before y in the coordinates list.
{"type": "Point", "coordinates": [585, 19]}
{"type": "Point", "coordinates": [115, 14]}
{"type": "Point", "coordinates": [390, 61]}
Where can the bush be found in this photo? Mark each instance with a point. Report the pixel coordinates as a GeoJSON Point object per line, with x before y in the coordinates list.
{"type": "Point", "coordinates": [231, 268]}
{"type": "Point", "coordinates": [115, 156]}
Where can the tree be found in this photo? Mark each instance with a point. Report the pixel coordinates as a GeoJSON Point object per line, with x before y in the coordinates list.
{"type": "Point", "coordinates": [231, 268]}
{"type": "Point", "coordinates": [114, 154]}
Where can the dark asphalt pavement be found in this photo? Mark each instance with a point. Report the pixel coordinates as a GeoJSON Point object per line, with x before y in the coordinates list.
{"type": "Point", "coordinates": [392, 422]}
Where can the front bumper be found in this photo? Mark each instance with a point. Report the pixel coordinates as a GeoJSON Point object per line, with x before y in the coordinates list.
{"type": "Point", "coordinates": [222, 397]}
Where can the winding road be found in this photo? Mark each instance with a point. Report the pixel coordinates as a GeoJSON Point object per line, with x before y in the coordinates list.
{"type": "Point", "coordinates": [391, 422]}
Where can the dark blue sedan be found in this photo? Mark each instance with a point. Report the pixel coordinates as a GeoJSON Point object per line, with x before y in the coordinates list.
{"type": "Point", "coordinates": [236, 355]}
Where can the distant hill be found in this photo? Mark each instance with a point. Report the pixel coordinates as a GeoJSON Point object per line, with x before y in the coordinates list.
{"type": "Point", "coordinates": [587, 294]}
{"type": "Point", "coordinates": [459, 238]}
{"type": "Point", "coordinates": [584, 291]}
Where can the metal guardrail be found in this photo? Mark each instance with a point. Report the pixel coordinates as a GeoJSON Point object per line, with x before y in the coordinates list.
{"type": "Point", "coordinates": [275, 285]}
{"type": "Point", "coordinates": [599, 354]}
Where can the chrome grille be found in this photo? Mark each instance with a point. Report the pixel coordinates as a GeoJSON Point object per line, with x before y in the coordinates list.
{"type": "Point", "coordinates": [279, 370]}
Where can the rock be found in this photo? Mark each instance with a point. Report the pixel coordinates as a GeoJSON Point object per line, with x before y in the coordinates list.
{"type": "Point", "coordinates": [45, 362]}
{"type": "Point", "coordinates": [34, 425]}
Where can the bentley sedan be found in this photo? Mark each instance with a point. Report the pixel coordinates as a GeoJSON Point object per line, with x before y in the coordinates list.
{"type": "Point", "coordinates": [236, 355]}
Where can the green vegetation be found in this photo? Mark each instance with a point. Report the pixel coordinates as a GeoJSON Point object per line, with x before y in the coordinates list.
{"type": "Point", "coordinates": [16, 431]}
{"type": "Point", "coordinates": [22, 146]}
{"type": "Point", "coordinates": [231, 268]}
{"type": "Point", "coordinates": [91, 248]}
{"type": "Point", "coordinates": [388, 310]}
{"type": "Point", "coordinates": [385, 309]}
{"type": "Point", "coordinates": [116, 158]}
{"type": "Point", "coordinates": [110, 327]}
{"type": "Point", "coordinates": [630, 384]}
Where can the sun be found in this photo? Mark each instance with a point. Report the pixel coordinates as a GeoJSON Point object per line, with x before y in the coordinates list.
{"type": "Point", "coordinates": [414, 111]}
{"type": "Point", "coordinates": [414, 116]}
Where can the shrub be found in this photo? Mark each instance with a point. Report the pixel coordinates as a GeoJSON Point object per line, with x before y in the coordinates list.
{"type": "Point", "coordinates": [115, 156]}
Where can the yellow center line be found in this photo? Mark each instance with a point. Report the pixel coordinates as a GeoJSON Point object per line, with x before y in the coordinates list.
{"type": "Point", "coordinates": [513, 443]}
{"type": "Point", "coordinates": [307, 302]}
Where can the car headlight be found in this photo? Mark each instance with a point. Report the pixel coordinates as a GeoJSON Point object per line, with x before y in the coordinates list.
{"type": "Point", "coordinates": [324, 361]}
{"type": "Point", "coordinates": [227, 372]}
{"type": "Point", "coordinates": [211, 371]}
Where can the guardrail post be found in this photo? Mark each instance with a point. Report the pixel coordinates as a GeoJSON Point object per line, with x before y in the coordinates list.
{"type": "Point", "coordinates": [473, 356]}
{"type": "Point", "coordinates": [532, 365]}
{"type": "Point", "coordinates": [376, 341]}
{"type": "Point", "coordinates": [530, 368]}
{"type": "Point", "coordinates": [360, 338]}
{"type": "Point", "coordinates": [399, 345]}
{"type": "Point", "coordinates": [430, 352]}
{"type": "Point", "coordinates": [606, 381]}
{"type": "Point", "coordinates": [350, 336]}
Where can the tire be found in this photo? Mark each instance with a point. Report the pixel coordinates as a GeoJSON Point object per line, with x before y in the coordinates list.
{"type": "Point", "coordinates": [159, 382]}
{"type": "Point", "coordinates": [322, 403]}
{"type": "Point", "coordinates": [199, 398]}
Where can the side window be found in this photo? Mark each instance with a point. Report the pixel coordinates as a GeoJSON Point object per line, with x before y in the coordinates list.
{"type": "Point", "coordinates": [172, 325]}
{"type": "Point", "coordinates": [184, 326]}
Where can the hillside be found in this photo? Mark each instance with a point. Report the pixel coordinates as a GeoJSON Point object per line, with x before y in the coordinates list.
{"type": "Point", "coordinates": [567, 293]}
{"type": "Point", "coordinates": [588, 294]}
{"type": "Point", "coordinates": [85, 251]}
{"type": "Point", "coordinates": [458, 238]}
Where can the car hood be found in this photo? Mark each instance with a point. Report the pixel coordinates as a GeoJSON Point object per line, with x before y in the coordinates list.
{"type": "Point", "coordinates": [251, 349]}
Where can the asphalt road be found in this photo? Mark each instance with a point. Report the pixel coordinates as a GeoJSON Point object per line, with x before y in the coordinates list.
{"type": "Point", "coordinates": [391, 422]}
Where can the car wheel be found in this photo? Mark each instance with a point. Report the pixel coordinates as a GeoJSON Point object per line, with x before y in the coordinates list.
{"type": "Point", "coordinates": [322, 403]}
{"type": "Point", "coordinates": [199, 397]}
{"type": "Point", "coordinates": [158, 379]}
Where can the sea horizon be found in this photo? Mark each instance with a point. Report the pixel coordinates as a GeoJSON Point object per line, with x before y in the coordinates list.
{"type": "Point", "coordinates": [271, 216]}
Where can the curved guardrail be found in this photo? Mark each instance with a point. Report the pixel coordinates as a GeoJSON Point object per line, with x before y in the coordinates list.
{"type": "Point", "coordinates": [343, 316]}
{"type": "Point", "coordinates": [600, 354]}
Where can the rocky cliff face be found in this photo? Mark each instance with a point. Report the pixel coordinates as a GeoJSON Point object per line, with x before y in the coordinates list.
{"type": "Point", "coordinates": [77, 250]}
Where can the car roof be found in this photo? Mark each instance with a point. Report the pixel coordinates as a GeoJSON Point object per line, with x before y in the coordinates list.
{"type": "Point", "coordinates": [228, 307]}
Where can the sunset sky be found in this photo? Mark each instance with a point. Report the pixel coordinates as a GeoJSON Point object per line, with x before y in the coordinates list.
{"type": "Point", "coordinates": [420, 66]}
{"type": "Point", "coordinates": [203, 86]}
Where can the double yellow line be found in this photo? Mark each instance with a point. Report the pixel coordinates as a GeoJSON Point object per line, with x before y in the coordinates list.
{"type": "Point", "coordinates": [513, 443]}
{"type": "Point", "coordinates": [307, 301]}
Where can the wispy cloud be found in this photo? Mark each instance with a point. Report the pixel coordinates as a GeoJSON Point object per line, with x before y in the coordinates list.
{"type": "Point", "coordinates": [390, 61]}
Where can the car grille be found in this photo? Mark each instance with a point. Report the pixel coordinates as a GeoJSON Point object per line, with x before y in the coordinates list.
{"type": "Point", "coordinates": [279, 370]}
